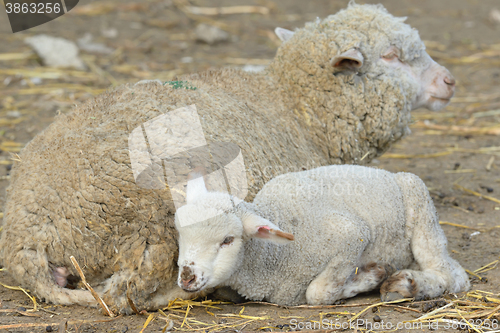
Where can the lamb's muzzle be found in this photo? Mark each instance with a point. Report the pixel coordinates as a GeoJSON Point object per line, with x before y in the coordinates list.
{"type": "Point", "coordinates": [187, 278]}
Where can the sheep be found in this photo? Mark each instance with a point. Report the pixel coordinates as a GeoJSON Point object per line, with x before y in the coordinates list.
{"type": "Point", "coordinates": [316, 237]}
{"type": "Point", "coordinates": [90, 186]}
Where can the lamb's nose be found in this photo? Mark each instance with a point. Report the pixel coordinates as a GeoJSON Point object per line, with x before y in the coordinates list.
{"type": "Point", "coordinates": [449, 80]}
{"type": "Point", "coordinates": [187, 277]}
{"type": "Point", "coordinates": [188, 281]}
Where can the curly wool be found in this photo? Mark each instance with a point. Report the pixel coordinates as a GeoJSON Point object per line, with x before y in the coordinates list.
{"type": "Point", "coordinates": [74, 191]}
{"type": "Point", "coordinates": [356, 115]}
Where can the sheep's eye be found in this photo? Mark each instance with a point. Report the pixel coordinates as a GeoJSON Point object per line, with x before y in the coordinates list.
{"type": "Point", "coordinates": [228, 240]}
{"type": "Point", "coordinates": [390, 56]}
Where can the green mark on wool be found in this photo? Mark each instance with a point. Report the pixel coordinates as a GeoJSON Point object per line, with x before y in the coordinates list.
{"type": "Point", "coordinates": [180, 85]}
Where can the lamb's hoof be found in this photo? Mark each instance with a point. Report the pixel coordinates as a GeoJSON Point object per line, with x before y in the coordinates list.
{"type": "Point", "coordinates": [391, 296]}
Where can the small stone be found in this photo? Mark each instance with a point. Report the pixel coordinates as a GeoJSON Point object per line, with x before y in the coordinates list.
{"type": "Point", "coordinates": [85, 44]}
{"type": "Point", "coordinates": [374, 309]}
{"type": "Point", "coordinates": [377, 319]}
{"type": "Point", "coordinates": [109, 33]}
{"type": "Point", "coordinates": [253, 68]}
{"type": "Point", "coordinates": [210, 34]}
{"type": "Point", "coordinates": [495, 16]}
{"type": "Point", "coordinates": [21, 308]}
{"type": "Point", "coordinates": [441, 195]}
{"type": "Point", "coordinates": [48, 329]}
{"type": "Point", "coordinates": [470, 208]}
{"type": "Point", "coordinates": [55, 51]}
{"type": "Point", "coordinates": [14, 114]}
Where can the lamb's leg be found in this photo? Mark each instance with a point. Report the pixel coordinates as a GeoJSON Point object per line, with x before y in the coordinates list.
{"type": "Point", "coordinates": [352, 238]}
{"type": "Point", "coordinates": [35, 271]}
{"type": "Point", "coordinates": [439, 272]}
{"type": "Point", "coordinates": [365, 278]}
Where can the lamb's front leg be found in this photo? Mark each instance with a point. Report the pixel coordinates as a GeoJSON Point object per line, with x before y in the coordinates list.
{"type": "Point", "coordinates": [349, 237]}
{"type": "Point", "coordinates": [439, 272]}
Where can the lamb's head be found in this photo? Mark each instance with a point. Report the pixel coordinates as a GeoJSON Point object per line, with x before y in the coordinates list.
{"type": "Point", "coordinates": [212, 232]}
{"type": "Point", "coordinates": [363, 44]}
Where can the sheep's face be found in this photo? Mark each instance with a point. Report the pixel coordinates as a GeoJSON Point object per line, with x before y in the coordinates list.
{"type": "Point", "coordinates": [364, 44]}
{"type": "Point", "coordinates": [436, 85]}
{"type": "Point", "coordinates": [209, 251]}
{"type": "Point", "coordinates": [212, 231]}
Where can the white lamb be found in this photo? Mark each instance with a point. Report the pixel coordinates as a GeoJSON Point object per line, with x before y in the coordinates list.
{"type": "Point", "coordinates": [316, 237]}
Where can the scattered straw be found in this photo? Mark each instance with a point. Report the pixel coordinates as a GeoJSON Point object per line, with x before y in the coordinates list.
{"type": "Point", "coordinates": [32, 298]}
{"type": "Point", "coordinates": [460, 130]}
{"type": "Point", "coordinates": [487, 267]}
{"type": "Point", "coordinates": [211, 11]}
{"type": "Point", "coordinates": [474, 274]}
{"type": "Point", "coordinates": [150, 319]}
{"type": "Point", "coordinates": [457, 225]}
{"type": "Point", "coordinates": [486, 114]}
{"type": "Point", "coordinates": [247, 61]}
{"type": "Point", "coordinates": [22, 313]}
{"type": "Point", "coordinates": [362, 158]}
{"type": "Point", "coordinates": [379, 304]}
{"type": "Point", "coordinates": [461, 171]}
{"type": "Point", "coordinates": [444, 153]}
{"type": "Point", "coordinates": [490, 163]}
{"type": "Point", "coordinates": [92, 291]}
{"type": "Point", "coordinates": [16, 56]}
{"type": "Point", "coordinates": [477, 194]}
{"type": "Point", "coordinates": [427, 315]}
{"type": "Point", "coordinates": [71, 322]}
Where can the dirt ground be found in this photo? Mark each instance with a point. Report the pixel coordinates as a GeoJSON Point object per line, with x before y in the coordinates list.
{"type": "Point", "coordinates": [452, 150]}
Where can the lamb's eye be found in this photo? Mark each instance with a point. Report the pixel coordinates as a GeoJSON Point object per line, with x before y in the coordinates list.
{"type": "Point", "coordinates": [228, 240]}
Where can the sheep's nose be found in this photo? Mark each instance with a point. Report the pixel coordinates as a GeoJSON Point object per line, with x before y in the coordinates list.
{"type": "Point", "coordinates": [188, 281]}
{"type": "Point", "coordinates": [449, 80]}
{"type": "Point", "coordinates": [187, 277]}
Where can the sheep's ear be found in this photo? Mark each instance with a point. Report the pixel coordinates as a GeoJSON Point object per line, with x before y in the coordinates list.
{"type": "Point", "coordinates": [350, 60]}
{"type": "Point", "coordinates": [283, 34]}
{"type": "Point", "coordinates": [195, 186]}
{"type": "Point", "coordinates": [258, 227]}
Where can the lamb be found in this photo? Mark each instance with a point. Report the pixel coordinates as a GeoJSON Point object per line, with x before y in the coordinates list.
{"type": "Point", "coordinates": [316, 237]}
{"type": "Point", "coordinates": [92, 185]}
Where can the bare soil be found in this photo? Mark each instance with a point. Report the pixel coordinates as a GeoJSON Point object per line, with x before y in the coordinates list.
{"type": "Point", "coordinates": [156, 40]}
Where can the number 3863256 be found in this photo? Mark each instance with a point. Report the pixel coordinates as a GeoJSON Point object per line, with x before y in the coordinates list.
{"type": "Point", "coordinates": [33, 8]}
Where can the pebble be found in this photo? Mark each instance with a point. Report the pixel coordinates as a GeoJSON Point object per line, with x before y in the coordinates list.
{"type": "Point", "coordinates": [210, 34]}
{"type": "Point", "coordinates": [55, 51]}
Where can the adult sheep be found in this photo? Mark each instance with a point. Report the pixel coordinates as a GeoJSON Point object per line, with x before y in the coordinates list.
{"type": "Point", "coordinates": [338, 90]}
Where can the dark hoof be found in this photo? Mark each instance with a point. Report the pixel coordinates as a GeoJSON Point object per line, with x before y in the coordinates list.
{"type": "Point", "coordinates": [391, 296]}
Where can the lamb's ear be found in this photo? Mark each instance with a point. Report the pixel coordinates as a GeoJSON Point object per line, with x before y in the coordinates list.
{"type": "Point", "coordinates": [195, 186]}
{"type": "Point", "coordinates": [258, 227]}
{"type": "Point", "coordinates": [283, 34]}
{"type": "Point", "coordinates": [350, 60]}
